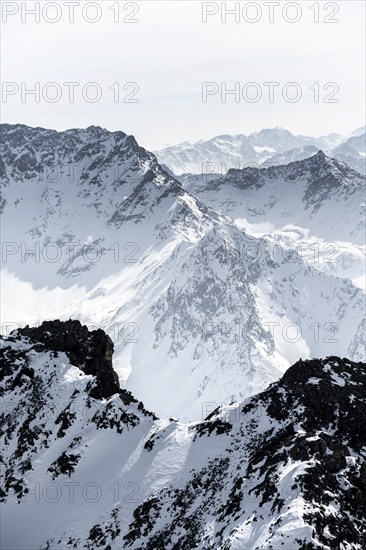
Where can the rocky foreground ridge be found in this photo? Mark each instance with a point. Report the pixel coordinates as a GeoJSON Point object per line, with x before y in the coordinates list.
{"type": "Point", "coordinates": [283, 469]}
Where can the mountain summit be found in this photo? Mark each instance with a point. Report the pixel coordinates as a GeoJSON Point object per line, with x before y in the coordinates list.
{"type": "Point", "coordinates": [314, 192]}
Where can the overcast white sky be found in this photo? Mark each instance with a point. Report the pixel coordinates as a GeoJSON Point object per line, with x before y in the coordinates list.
{"type": "Point", "coordinates": [170, 52]}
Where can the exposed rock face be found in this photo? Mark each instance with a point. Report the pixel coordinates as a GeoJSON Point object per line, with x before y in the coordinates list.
{"type": "Point", "coordinates": [90, 351]}
{"type": "Point", "coordinates": [295, 450]}
{"type": "Point", "coordinates": [326, 399]}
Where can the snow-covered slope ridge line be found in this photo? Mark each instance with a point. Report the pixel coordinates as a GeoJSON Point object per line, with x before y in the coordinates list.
{"type": "Point", "coordinates": [87, 468]}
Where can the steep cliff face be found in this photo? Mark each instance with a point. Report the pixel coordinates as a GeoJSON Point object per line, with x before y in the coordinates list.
{"type": "Point", "coordinates": [84, 469]}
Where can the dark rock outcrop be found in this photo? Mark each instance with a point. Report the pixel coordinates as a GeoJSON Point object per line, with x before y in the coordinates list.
{"type": "Point", "coordinates": [91, 351]}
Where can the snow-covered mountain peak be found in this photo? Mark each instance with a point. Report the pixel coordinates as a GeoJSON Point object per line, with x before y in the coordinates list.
{"type": "Point", "coordinates": [172, 277]}
{"type": "Point", "coordinates": [303, 192]}
{"type": "Point", "coordinates": [76, 188]}
{"type": "Point", "coordinates": [269, 146]}
{"type": "Point", "coordinates": [28, 152]}
{"type": "Point", "coordinates": [273, 136]}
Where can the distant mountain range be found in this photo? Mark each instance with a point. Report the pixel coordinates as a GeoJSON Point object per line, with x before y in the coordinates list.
{"type": "Point", "coordinates": [200, 288]}
{"type": "Point", "coordinates": [269, 146]}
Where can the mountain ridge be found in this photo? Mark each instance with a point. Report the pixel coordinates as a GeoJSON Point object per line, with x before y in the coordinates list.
{"type": "Point", "coordinates": [283, 469]}
{"type": "Point", "coordinates": [177, 276]}
{"type": "Point", "coordinates": [268, 146]}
